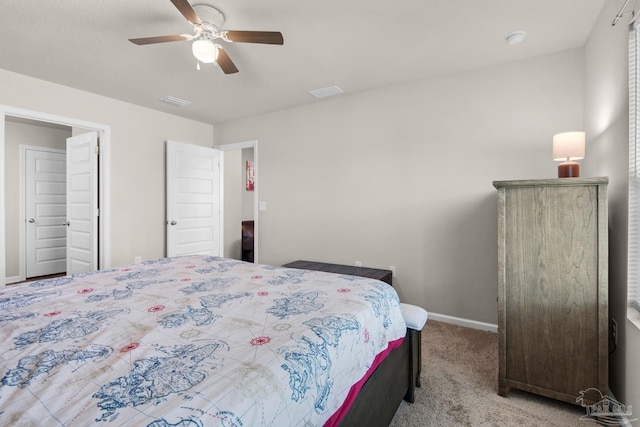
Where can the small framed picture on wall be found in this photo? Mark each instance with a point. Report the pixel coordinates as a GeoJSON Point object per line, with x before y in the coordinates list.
{"type": "Point", "coordinates": [250, 176]}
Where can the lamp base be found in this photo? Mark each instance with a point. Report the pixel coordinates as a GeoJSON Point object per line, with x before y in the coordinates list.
{"type": "Point", "coordinates": [568, 170]}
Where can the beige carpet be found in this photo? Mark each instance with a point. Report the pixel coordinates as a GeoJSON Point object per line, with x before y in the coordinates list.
{"type": "Point", "coordinates": [460, 387]}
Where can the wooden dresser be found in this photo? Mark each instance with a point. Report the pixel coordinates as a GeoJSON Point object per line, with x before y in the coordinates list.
{"type": "Point", "coordinates": [552, 286]}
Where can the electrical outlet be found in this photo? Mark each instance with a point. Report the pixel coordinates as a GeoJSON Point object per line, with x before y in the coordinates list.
{"type": "Point", "coordinates": [137, 259]}
{"type": "Point", "coordinates": [358, 263]}
{"type": "Point", "coordinates": [614, 332]}
{"type": "Point", "coordinates": [393, 270]}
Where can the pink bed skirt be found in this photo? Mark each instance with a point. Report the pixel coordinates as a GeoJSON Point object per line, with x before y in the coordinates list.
{"type": "Point", "coordinates": [337, 417]}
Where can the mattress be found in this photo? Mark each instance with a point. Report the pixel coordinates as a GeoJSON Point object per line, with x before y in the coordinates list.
{"type": "Point", "coordinates": [191, 341]}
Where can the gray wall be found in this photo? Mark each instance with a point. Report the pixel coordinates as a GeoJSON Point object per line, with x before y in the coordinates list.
{"type": "Point", "coordinates": [607, 126]}
{"type": "Point", "coordinates": [402, 176]}
{"type": "Point", "coordinates": [238, 202]}
{"type": "Point", "coordinates": [233, 174]}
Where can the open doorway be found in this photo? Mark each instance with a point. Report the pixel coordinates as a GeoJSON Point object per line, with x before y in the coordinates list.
{"type": "Point", "coordinates": [13, 214]}
{"type": "Point", "coordinates": [34, 187]}
{"type": "Point", "coordinates": [240, 207]}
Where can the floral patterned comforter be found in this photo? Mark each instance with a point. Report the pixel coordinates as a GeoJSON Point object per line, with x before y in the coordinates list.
{"type": "Point", "coordinates": [189, 341]}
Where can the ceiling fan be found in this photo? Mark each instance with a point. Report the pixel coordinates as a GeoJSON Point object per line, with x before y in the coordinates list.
{"type": "Point", "coordinates": [207, 24]}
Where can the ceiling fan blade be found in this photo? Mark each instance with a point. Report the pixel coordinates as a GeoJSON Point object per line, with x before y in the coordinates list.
{"type": "Point", "coordinates": [264, 37]}
{"type": "Point", "coordinates": [187, 11]}
{"type": "Point", "coordinates": [158, 39]}
{"type": "Point", "coordinates": [225, 62]}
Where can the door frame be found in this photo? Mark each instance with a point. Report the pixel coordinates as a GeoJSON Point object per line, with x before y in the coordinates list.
{"type": "Point", "coordinates": [22, 244]}
{"type": "Point", "coordinates": [239, 146]}
{"type": "Point", "coordinates": [104, 188]}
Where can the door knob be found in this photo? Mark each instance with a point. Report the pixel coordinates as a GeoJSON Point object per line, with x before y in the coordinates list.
{"type": "Point", "coordinates": [32, 220]}
{"type": "Point", "coordinates": [173, 223]}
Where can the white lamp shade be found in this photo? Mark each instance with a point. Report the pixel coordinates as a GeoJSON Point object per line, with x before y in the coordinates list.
{"type": "Point", "coordinates": [568, 145]}
{"type": "Point", "coordinates": [205, 51]}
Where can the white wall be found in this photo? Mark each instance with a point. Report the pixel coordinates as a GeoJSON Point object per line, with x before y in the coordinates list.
{"type": "Point", "coordinates": [403, 176]}
{"type": "Point", "coordinates": [138, 138]}
{"type": "Point", "coordinates": [607, 127]}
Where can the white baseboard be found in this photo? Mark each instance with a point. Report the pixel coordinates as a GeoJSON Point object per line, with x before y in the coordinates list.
{"type": "Point", "coordinates": [474, 324]}
{"type": "Point", "coordinates": [624, 420]}
{"type": "Point", "coordinates": [13, 279]}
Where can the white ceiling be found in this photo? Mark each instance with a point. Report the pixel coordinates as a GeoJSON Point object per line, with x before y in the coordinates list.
{"type": "Point", "coordinates": [358, 45]}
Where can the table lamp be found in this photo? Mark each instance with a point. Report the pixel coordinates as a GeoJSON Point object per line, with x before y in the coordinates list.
{"type": "Point", "coordinates": [567, 147]}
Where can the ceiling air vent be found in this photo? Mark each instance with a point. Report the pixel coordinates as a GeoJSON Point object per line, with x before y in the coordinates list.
{"type": "Point", "coordinates": [326, 91]}
{"type": "Point", "coordinates": [175, 101]}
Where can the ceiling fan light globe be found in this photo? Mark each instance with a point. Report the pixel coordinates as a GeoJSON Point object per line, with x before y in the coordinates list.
{"type": "Point", "coordinates": [205, 51]}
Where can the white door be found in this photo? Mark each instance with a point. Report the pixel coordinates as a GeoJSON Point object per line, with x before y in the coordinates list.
{"type": "Point", "coordinates": [45, 209]}
{"type": "Point", "coordinates": [193, 200]}
{"type": "Point", "coordinates": [82, 203]}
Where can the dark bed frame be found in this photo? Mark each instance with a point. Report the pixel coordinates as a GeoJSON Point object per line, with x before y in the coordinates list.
{"type": "Point", "coordinates": [395, 379]}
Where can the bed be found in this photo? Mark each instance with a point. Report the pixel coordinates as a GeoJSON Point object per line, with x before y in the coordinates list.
{"type": "Point", "coordinates": [203, 341]}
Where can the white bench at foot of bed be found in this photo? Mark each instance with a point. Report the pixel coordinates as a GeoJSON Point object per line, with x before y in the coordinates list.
{"type": "Point", "coordinates": [415, 317]}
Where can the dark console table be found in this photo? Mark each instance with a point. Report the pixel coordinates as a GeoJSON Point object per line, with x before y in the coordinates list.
{"type": "Point", "coordinates": [371, 273]}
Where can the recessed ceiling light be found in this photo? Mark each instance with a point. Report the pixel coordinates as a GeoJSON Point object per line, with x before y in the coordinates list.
{"type": "Point", "coordinates": [515, 37]}
{"type": "Point", "coordinates": [175, 101]}
{"type": "Point", "coordinates": [325, 91]}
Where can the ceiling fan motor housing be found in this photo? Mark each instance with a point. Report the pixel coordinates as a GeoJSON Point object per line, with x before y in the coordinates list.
{"type": "Point", "coordinates": [212, 18]}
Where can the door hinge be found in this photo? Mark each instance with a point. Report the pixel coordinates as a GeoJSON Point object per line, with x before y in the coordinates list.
{"type": "Point", "coordinates": [97, 212]}
{"type": "Point", "coordinates": [96, 150]}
